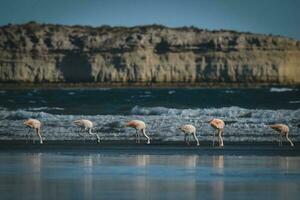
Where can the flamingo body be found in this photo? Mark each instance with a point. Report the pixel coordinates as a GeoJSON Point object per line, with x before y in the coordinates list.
{"type": "Point", "coordinates": [219, 126]}
{"type": "Point", "coordinates": [188, 130]}
{"type": "Point", "coordinates": [283, 130]}
{"type": "Point", "coordinates": [138, 125]}
{"type": "Point", "coordinates": [35, 124]}
{"type": "Point", "coordinates": [86, 125]}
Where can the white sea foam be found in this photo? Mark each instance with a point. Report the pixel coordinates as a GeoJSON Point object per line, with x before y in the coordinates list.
{"type": "Point", "coordinates": [220, 112]}
{"type": "Point", "coordinates": [229, 91]}
{"type": "Point", "coordinates": [162, 123]}
{"type": "Point", "coordinates": [45, 108]}
{"type": "Point", "coordinates": [294, 101]}
{"type": "Point", "coordinates": [273, 89]}
{"type": "Point", "coordinates": [24, 114]}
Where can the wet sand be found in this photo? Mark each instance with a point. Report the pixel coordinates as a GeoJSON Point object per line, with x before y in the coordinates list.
{"type": "Point", "coordinates": [156, 147]}
{"type": "Point", "coordinates": [128, 171]}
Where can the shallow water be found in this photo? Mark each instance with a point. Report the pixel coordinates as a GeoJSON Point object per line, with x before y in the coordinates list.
{"type": "Point", "coordinates": [245, 111]}
{"type": "Point", "coordinates": [48, 175]}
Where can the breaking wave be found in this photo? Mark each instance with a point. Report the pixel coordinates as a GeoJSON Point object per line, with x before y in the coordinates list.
{"type": "Point", "coordinates": [225, 112]}
{"type": "Point", "coordinates": [273, 89]}
{"type": "Point", "coordinates": [242, 125]}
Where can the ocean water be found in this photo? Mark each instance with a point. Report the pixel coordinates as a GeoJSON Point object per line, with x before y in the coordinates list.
{"type": "Point", "coordinates": [69, 175]}
{"type": "Point", "coordinates": [246, 112]}
{"type": "Point", "coordinates": [121, 170]}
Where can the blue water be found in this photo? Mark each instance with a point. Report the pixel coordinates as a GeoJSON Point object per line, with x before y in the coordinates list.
{"type": "Point", "coordinates": [245, 111]}
{"type": "Point", "coordinates": [106, 101]}
{"type": "Point", "coordinates": [121, 176]}
{"type": "Point", "coordinates": [115, 174]}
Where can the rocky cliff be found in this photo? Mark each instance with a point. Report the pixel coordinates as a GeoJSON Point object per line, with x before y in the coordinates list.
{"type": "Point", "coordinates": [147, 54]}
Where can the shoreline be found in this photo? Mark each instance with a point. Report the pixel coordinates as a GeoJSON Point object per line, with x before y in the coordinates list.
{"type": "Point", "coordinates": [140, 85]}
{"type": "Point", "coordinates": [156, 148]}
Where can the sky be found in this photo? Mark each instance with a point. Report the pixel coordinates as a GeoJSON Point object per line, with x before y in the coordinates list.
{"type": "Point", "coordinates": [277, 17]}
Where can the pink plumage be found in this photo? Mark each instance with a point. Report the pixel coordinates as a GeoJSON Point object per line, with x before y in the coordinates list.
{"type": "Point", "coordinates": [188, 130]}
{"type": "Point", "coordinates": [283, 130]}
{"type": "Point", "coordinates": [219, 126]}
{"type": "Point", "coordinates": [217, 123]}
{"type": "Point", "coordinates": [139, 126]}
{"type": "Point", "coordinates": [35, 124]}
{"type": "Point", "coordinates": [136, 124]}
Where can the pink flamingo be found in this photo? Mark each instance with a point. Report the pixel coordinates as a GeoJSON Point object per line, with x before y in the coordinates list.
{"type": "Point", "coordinates": [218, 125]}
{"type": "Point", "coordinates": [34, 124]}
{"type": "Point", "coordinates": [188, 130]}
{"type": "Point", "coordinates": [138, 125]}
{"type": "Point", "coordinates": [283, 131]}
{"type": "Point", "coordinates": [86, 125]}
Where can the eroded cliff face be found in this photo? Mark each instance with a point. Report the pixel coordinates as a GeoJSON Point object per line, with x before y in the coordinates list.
{"type": "Point", "coordinates": [149, 54]}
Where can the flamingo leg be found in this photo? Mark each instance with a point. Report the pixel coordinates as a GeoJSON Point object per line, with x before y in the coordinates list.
{"type": "Point", "coordinates": [84, 136]}
{"type": "Point", "coordinates": [279, 140]}
{"type": "Point", "coordinates": [92, 134]}
{"type": "Point", "coordinates": [221, 144]}
{"type": "Point", "coordinates": [139, 138]}
{"type": "Point", "coordinates": [28, 135]}
{"type": "Point", "coordinates": [195, 137]}
{"type": "Point", "coordinates": [185, 138]}
{"type": "Point", "coordinates": [148, 138]}
{"type": "Point", "coordinates": [214, 138]}
{"type": "Point", "coordinates": [288, 139]}
{"type": "Point", "coordinates": [33, 139]}
{"type": "Point", "coordinates": [79, 132]}
{"type": "Point", "coordinates": [136, 136]}
{"type": "Point", "coordinates": [39, 135]}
